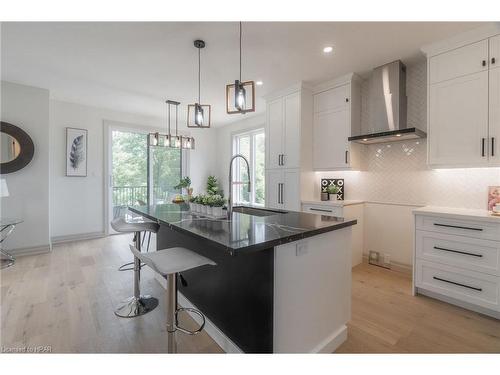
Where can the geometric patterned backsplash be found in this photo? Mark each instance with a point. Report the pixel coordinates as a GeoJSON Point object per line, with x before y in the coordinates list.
{"type": "Point", "coordinates": [398, 173]}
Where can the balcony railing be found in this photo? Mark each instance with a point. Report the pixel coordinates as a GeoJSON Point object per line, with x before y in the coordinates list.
{"type": "Point", "coordinates": [124, 196]}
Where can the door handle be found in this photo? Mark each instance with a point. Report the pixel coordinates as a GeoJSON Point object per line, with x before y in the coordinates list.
{"type": "Point", "coordinates": [482, 147]}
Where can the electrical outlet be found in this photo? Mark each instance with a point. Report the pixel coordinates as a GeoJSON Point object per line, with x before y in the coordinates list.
{"type": "Point", "coordinates": [301, 249]}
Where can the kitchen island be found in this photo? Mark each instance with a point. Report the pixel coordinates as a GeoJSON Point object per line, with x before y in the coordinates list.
{"type": "Point", "coordinates": [282, 281]}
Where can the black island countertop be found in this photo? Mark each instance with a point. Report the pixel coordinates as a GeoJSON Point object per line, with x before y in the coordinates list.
{"type": "Point", "coordinates": [244, 232]}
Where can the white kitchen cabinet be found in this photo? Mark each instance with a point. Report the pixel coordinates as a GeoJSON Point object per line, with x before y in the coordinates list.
{"type": "Point", "coordinates": [330, 132]}
{"type": "Point", "coordinates": [274, 133]}
{"type": "Point", "coordinates": [288, 147]}
{"type": "Point", "coordinates": [494, 117]}
{"type": "Point", "coordinates": [456, 257]}
{"type": "Point", "coordinates": [283, 188]}
{"type": "Point", "coordinates": [337, 114]}
{"type": "Point", "coordinates": [469, 59]}
{"type": "Point", "coordinates": [494, 52]}
{"type": "Point", "coordinates": [463, 103]}
{"type": "Point", "coordinates": [346, 209]}
{"type": "Point", "coordinates": [458, 118]}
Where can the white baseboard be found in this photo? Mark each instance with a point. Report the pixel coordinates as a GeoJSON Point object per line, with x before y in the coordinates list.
{"type": "Point", "coordinates": [210, 328]}
{"type": "Point", "coordinates": [457, 302]}
{"type": "Point", "coordinates": [77, 237]}
{"type": "Point", "coordinates": [24, 251]}
{"type": "Point", "coordinates": [332, 342]}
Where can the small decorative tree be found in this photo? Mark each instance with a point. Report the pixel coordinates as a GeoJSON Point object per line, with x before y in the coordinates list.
{"type": "Point", "coordinates": [213, 186]}
{"type": "Point", "coordinates": [185, 183]}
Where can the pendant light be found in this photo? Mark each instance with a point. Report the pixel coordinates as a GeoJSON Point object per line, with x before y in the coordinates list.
{"type": "Point", "coordinates": [199, 114]}
{"type": "Point", "coordinates": [240, 96]}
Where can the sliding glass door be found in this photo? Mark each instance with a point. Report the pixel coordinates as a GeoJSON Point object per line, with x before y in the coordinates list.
{"type": "Point", "coordinates": [138, 174]}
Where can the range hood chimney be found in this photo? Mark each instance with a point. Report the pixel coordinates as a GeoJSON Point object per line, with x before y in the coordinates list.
{"type": "Point", "coordinates": [387, 107]}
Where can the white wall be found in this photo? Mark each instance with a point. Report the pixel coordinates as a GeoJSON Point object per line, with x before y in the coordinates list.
{"type": "Point", "coordinates": [224, 143]}
{"type": "Point", "coordinates": [28, 108]}
{"type": "Point", "coordinates": [77, 203]}
{"type": "Point", "coordinates": [396, 179]}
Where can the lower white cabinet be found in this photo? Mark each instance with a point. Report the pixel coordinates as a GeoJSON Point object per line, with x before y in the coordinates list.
{"type": "Point", "coordinates": [283, 189]}
{"type": "Point", "coordinates": [457, 258]}
{"type": "Point", "coordinates": [350, 211]}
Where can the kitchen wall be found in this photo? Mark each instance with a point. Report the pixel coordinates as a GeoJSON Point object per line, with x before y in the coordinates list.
{"type": "Point", "coordinates": [28, 108]}
{"type": "Point", "coordinates": [396, 179]}
{"type": "Point", "coordinates": [224, 143]}
{"type": "Point", "coordinates": [77, 204]}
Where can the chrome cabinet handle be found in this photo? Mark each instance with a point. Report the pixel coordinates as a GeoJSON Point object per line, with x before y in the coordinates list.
{"type": "Point", "coordinates": [458, 227]}
{"type": "Point", "coordinates": [458, 252]}
{"type": "Point", "coordinates": [279, 193]}
{"type": "Point", "coordinates": [282, 193]}
{"type": "Point", "coordinates": [459, 284]}
{"type": "Point", "coordinates": [319, 209]}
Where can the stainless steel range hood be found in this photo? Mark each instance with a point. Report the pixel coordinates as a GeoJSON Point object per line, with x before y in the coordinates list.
{"type": "Point", "coordinates": [387, 107]}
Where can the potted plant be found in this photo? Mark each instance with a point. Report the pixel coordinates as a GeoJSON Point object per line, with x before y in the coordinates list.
{"type": "Point", "coordinates": [213, 186]}
{"type": "Point", "coordinates": [218, 202]}
{"type": "Point", "coordinates": [192, 203]}
{"type": "Point", "coordinates": [204, 204]}
{"type": "Point", "coordinates": [210, 202]}
{"type": "Point", "coordinates": [185, 183]}
{"type": "Point", "coordinates": [332, 192]}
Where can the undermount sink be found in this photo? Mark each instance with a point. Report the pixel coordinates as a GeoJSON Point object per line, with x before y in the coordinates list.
{"type": "Point", "coordinates": [257, 211]}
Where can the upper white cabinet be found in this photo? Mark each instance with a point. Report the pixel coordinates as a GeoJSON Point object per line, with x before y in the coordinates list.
{"type": "Point", "coordinates": [336, 117]}
{"type": "Point", "coordinates": [288, 147]}
{"type": "Point", "coordinates": [459, 121]}
{"type": "Point", "coordinates": [463, 104]}
{"type": "Point", "coordinates": [459, 62]}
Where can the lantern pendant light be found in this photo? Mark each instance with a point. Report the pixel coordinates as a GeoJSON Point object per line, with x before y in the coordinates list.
{"type": "Point", "coordinates": [199, 114]}
{"type": "Point", "coordinates": [240, 96]}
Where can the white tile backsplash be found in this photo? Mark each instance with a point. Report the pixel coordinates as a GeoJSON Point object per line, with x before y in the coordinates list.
{"type": "Point", "coordinates": [398, 172]}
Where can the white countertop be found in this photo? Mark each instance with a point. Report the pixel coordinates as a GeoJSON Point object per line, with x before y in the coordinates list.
{"type": "Point", "coordinates": [458, 213]}
{"type": "Point", "coordinates": [333, 203]}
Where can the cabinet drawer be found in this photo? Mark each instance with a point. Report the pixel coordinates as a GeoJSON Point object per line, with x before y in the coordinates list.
{"type": "Point", "coordinates": [471, 253]}
{"type": "Point", "coordinates": [469, 228]}
{"type": "Point", "coordinates": [468, 286]}
{"type": "Point", "coordinates": [459, 62]}
{"type": "Point", "coordinates": [323, 210]}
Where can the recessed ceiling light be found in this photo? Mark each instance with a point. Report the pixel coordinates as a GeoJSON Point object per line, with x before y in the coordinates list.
{"type": "Point", "coordinates": [259, 83]}
{"type": "Point", "coordinates": [328, 49]}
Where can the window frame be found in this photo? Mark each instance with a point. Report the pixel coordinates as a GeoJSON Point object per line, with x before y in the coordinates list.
{"type": "Point", "coordinates": [235, 149]}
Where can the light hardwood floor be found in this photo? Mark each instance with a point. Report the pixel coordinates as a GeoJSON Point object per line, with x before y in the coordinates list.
{"type": "Point", "coordinates": [66, 298]}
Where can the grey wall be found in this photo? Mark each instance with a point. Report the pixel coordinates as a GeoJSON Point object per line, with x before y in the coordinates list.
{"type": "Point", "coordinates": [28, 108]}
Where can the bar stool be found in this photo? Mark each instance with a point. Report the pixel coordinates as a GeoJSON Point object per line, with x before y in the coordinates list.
{"type": "Point", "coordinates": [169, 263]}
{"type": "Point", "coordinates": [137, 304]}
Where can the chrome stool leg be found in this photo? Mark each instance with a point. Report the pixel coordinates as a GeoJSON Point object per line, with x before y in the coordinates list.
{"type": "Point", "coordinates": [137, 304]}
{"type": "Point", "coordinates": [172, 315]}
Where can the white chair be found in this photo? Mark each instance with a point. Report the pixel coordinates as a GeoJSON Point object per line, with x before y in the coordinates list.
{"type": "Point", "coordinates": [169, 263]}
{"type": "Point", "coordinates": [137, 304]}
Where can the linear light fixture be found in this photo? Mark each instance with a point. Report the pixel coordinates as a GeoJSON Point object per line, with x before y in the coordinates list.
{"type": "Point", "coordinates": [167, 139]}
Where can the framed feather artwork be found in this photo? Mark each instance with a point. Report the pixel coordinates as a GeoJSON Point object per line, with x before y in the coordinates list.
{"type": "Point", "coordinates": [76, 152]}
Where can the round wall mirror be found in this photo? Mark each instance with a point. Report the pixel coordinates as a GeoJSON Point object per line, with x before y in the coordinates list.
{"type": "Point", "coordinates": [16, 148]}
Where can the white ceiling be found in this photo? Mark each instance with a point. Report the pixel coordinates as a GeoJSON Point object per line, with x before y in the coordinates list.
{"type": "Point", "coordinates": [134, 67]}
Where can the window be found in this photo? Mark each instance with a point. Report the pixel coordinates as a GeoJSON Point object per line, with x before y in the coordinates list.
{"type": "Point", "coordinates": [252, 146]}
